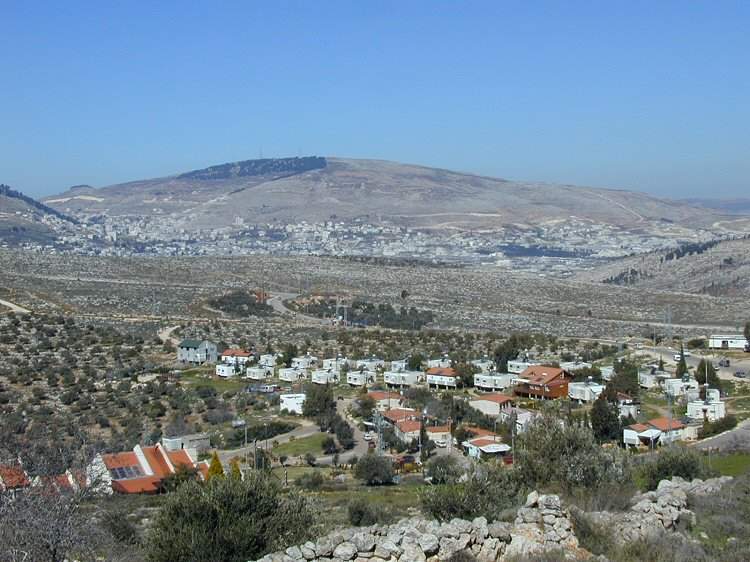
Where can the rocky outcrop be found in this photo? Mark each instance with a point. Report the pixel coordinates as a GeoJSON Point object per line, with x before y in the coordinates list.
{"type": "Point", "coordinates": [541, 524]}
{"type": "Point", "coordinates": [653, 513]}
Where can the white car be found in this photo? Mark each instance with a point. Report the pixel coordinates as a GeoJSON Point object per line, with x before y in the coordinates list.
{"type": "Point", "coordinates": [367, 436]}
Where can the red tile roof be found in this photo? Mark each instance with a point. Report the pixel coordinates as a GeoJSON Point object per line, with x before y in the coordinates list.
{"type": "Point", "coordinates": [408, 426]}
{"type": "Point", "coordinates": [483, 442]}
{"type": "Point", "coordinates": [539, 374]}
{"type": "Point", "coordinates": [120, 460]}
{"type": "Point", "coordinates": [144, 485]}
{"type": "Point", "coordinates": [663, 424]}
{"type": "Point", "coordinates": [156, 461]}
{"type": "Point", "coordinates": [382, 395]}
{"type": "Point", "coordinates": [234, 352]}
{"type": "Point", "coordinates": [442, 372]}
{"type": "Point", "coordinates": [13, 477]}
{"type": "Point", "coordinates": [438, 429]}
{"type": "Point", "coordinates": [639, 427]}
{"type": "Point", "coordinates": [399, 414]}
{"type": "Point", "coordinates": [480, 432]}
{"type": "Point", "coordinates": [180, 458]}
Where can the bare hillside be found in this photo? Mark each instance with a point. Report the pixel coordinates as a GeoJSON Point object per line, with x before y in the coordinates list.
{"type": "Point", "coordinates": [316, 189]}
{"type": "Point", "coordinates": [720, 269]}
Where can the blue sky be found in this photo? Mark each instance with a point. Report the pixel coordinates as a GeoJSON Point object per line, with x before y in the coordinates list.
{"type": "Point", "coordinates": [651, 96]}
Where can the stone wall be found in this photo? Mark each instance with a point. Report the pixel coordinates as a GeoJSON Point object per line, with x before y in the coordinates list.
{"type": "Point", "coordinates": [541, 524]}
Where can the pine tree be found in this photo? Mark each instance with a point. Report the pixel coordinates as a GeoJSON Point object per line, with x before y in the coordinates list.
{"type": "Point", "coordinates": [235, 471]}
{"type": "Point", "coordinates": [605, 420]}
{"type": "Point", "coordinates": [215, 468]}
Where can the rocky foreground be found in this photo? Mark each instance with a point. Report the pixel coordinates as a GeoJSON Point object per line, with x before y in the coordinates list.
{"type": "Point", "coordinates": [542, 524]}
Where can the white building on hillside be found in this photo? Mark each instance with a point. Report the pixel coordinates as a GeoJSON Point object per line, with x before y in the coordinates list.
{"type": "Point", "coordinates": [324, 376]}
{"type": "Point", "coordinates": [304, 362]}
{"type": "Point", "coordinates": [583, 392]}
{"type": "Point", "coordinates": [517, 367]}
{"type": "Point", "coordinates": [401, 379]}
{"type": "Point", "coordinates": [711, 409]}
{"type": "Point", "coordinates": [290, 374]}
{"type": "Point", "coordinates": [369, 364]}
{"type": "Point", "coordinates": [292, 403]}
{"type": "Point", "coordinates": [484, 365]}
{"type": "Point", "coordinates": [225, 371]}
{"type": "Point", "coordinates": [492, 381]}
{"type": "Point", "coordinates": [268, 360]}
{"type": "Point", "coordinates": [335, 363]}
{"type": "Point", "coordinates": [360, 378]}
{"type": "Point", "coordinates": [257, 373]}
{"type": "Point", "coordinates": [731, 341]}
{"type": "Point", "coordinates": [491, 404]}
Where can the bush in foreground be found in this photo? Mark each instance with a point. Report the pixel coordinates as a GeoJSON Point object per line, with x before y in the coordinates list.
{"type": "Point", "coordinates": [228, 519]}
{"type": "Point", "coordinates": [672, 461]}
{"type": "Point", "coordinates": [374, 469]}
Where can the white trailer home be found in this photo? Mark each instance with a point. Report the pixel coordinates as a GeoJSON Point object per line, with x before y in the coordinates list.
{"type": "Point", "coordinates": [731, 341]}
{"type": "Point", "coordinates": [401, 379]}
{"type": "Point", "coordinates": [492, 381]}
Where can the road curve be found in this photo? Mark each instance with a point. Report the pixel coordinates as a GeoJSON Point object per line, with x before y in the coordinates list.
{"type": "Point", "coordinates": [14, 307]}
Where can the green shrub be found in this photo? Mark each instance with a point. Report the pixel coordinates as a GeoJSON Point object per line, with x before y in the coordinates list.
{"type": "Point", "coordinates": [310, 481]}
{"type": "Point", "coordinates": [719, 426]}
{"type": "Point", "coordinates": [363, 513]}
{"type": "Point", "coordinates": [675, 461]}
{"type": "Point", "coordinates": [374, 469]}
{"type": "Point", "coordinates": [228, 519]}
{"type": "Point", "coordinates": [488, 492]}
{"type": "Point", "coordinates": [444, 470]}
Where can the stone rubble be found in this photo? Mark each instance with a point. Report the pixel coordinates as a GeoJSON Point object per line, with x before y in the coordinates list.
{"type": "Point", "coordinates": [541, 524]}
{"type": "Point", "coordinates": [653, 513]}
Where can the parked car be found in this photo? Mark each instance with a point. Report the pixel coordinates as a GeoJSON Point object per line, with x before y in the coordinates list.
{"type": "Point", "coordinates": [367, 436]}
{"type": "Point", "coordinates": [740, 374]}
{"type": "Point", "coordinates": [723, 362]}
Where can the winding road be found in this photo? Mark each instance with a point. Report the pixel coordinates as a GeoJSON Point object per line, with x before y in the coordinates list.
{"type": "Point", "coordinates": [14, 307]}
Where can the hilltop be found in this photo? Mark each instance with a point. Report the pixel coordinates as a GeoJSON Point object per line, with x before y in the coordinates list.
{"type": "Point", "coordinates": [23, 219]}
{"type": "Point", "coordinates": [315, 189]}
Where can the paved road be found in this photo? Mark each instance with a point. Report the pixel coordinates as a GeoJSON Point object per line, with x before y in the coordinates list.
{"type": "Point", "coordinates": [277, 303]}
{"type": "Point", "coordinates": [667, 353]}
{"type": "Point", "coordinates": [307, 429]}
{"type": "Point", "coordinates": [14, 307]}
{"type": "Point", "coordinates": [735, 439]}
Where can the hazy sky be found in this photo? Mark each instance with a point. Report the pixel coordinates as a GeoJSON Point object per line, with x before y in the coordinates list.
{"type": "Point", "coordinates": [653, 96]}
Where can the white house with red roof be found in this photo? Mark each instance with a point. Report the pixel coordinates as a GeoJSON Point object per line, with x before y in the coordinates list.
{"type": "Point", "coordinates": [143, 470]}
{"type": "Point", "coordinates": [384, 399]}
{"type": "Point", "coordinates": [491, 404]}
{"type": "Point", "coordinates": [442, 377]}
{"type": "Point", "coordinates": [658, 431]}
{"type": "Point", "coordinates": [235, 356]}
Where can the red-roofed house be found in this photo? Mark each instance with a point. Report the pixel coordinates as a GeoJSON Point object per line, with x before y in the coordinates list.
{"type": "Point", "coordinates": [384, 400]}
{"type": "Point", "coordinates": [545, 383]}
{"type": "Point", "coordinates": [395, 415]}
{"type": "Point", "coordinates": [658, 431]}
{"type": "Point", "coordinates": [483, 447]}
{"type": "Point", "coordinates": [491, 404]}
{"type": "Point", "coordinates": [406, 430]}
{"type": "Point", "coordinates": [234, 356]}
{"type": "Point", "coordinates": [442, 377]}
{"type": "Point", "coordinates": [142, 470]}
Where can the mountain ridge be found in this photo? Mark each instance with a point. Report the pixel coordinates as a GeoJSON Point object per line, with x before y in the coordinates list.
{"type": "Point", "coordinates": [315, 189]}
